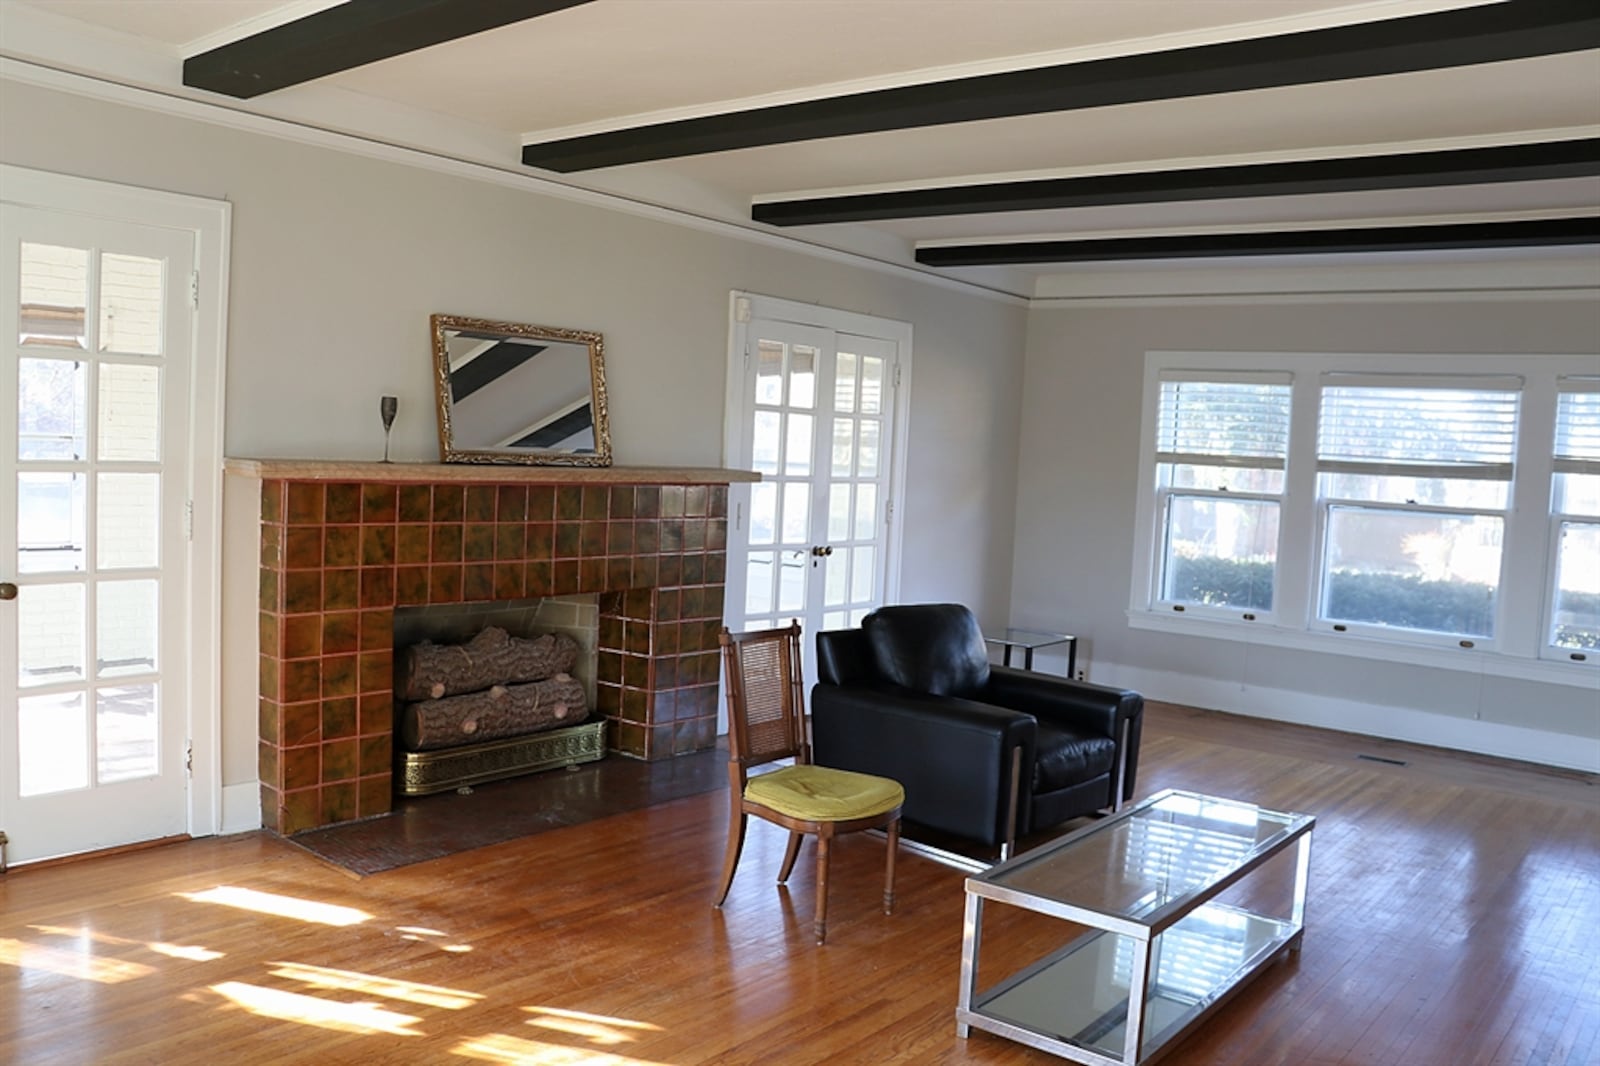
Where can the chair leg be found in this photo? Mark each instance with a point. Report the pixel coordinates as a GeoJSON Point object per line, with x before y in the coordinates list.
{"type": "Point", "coordinates": [790, 855]}
{"type": "Point", "coordinates": [822, 887]}
{"type": "Point", "coordinates": [888, 877]}
{"type": "Point", "coordinates": [736, 826]}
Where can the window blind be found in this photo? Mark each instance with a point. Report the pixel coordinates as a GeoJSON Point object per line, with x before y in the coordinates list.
{"type": "Point", "coordinates": [1237, 422]}
{"type": "Point", "coordinates": [1578, 426]}
{"type": "Point", "coordinates": [1417, 430]}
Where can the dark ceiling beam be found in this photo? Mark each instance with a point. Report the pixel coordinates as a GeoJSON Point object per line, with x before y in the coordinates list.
{"type": "Point", "coordinates": [1524, 234]}
{"type": "Point", "coordinates": [1481, 34]}
{"type": "Point", "coordinates": [350, 35]}
{"type": "Point", "coordinates": [1541, 161]}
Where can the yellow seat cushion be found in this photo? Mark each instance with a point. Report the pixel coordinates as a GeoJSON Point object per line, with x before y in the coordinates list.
{"type": "Point", "coordinates": [823, 794]}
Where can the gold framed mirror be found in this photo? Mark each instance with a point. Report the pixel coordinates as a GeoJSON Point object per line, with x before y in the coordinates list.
{"type": "Point", "coordinates": [514, 393]}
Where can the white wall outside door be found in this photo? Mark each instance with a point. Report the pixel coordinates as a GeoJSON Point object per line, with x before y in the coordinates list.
{"type": "Point", "coordinates": [816, 405]}
{"type": "Point", "coordinates": [98, 427]}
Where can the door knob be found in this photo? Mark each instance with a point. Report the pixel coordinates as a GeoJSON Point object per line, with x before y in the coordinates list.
{"type": "Point", "coordinates": [8, 591]}
{"type": "Point", "coordinates": [821, 550]}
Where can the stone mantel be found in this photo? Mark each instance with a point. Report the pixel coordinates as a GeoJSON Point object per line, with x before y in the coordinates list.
{"type": "Point", "coordinates": [499, 473]}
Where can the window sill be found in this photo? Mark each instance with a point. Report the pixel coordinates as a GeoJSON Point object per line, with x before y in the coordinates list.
{"type": "Point", "coordinates": [1468, 660]}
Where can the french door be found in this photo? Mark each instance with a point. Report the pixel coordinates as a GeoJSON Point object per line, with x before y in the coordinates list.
{"type": "Point", "coordinates": [94, 421]}
{"type": "Point", "coordinates": [817, 419]}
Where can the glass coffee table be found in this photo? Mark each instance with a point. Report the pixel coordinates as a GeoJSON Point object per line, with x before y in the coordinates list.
{"type": "Point", "coordinates": [1162, 951]}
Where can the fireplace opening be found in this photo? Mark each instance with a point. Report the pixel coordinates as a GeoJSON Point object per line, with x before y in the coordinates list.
{"type": "Point", "coordinates": [485, 691]}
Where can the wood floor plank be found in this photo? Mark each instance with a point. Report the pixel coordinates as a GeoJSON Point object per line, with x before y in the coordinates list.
{"type": "Point", "coordinates": [1452, 921]}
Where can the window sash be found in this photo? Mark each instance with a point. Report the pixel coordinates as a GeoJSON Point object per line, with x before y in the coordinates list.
{"type": "Point", "coordinates": [1445, 427]}
{"type": "Point", "coordinates": [1230, 420]}
{"type": "Point", "coordinates": [1577, 446]}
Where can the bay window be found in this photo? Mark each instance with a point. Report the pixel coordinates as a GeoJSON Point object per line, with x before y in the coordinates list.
{"type": "Point", "coordinates": [1375, 506]}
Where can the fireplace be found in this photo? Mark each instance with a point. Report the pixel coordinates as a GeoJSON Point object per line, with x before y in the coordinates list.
{"type": "Point", "coordinates": [345, 544]}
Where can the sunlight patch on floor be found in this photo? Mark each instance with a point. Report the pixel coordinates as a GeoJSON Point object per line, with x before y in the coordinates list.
{"type": "Point", "coordinates": [388, 988]}
{"type": "Point", "coordinates": [596, 1028]}
{"type": "Point", "coordinates": [171, 951]}
{"type": "Point", "coordinates": [429, 936]}
{"type": "Point", "coordinates": [513, 1051]}
{"type": "Point", "coordinates": [304, 910]}
{"type": "Point", "coordinates": [363, 1018]}
{"type": "Point", "coordinates": [80, 964]}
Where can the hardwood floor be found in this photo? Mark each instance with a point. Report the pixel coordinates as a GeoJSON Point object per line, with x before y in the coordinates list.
{"type": "Point", "coordinates": [1453, 918]}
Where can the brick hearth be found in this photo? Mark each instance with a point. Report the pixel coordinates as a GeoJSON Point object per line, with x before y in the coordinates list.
{"type": "Point", "coordinates": [339, 555]}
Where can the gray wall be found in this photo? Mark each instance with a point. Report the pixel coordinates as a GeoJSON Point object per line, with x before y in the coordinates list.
{"type": "Point", "coordinates": [338, 260]}
{"type": "Point", "coordinates": [1078, 484]}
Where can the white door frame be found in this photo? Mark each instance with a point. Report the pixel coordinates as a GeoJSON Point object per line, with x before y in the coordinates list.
{"type": "Point", "coordinates": [745, 307]}
{"type": "Point", "coordinates": [210, 221]}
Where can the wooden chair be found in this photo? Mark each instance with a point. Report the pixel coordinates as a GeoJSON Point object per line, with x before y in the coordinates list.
{"type": "Point", "coordinates": [766, 722]}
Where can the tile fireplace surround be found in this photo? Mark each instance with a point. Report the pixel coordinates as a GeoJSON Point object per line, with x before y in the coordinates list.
{"type": "Point", "coordinates": [344, 544]}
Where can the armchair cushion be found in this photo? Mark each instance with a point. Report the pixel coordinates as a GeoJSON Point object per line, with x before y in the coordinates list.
{"type": "Point", "coordinates": [936, 649]}
{"type": "Point", "coordinates": [1063, 758]}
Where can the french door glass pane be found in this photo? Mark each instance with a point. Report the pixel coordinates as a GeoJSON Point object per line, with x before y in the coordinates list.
{"type": "Point", "coordinates": [130, 304]}
{"type": "Point", "coordinates": [126, 727]}
{"type": "Point", "coordinates": [129, 421]}
{"type": "Point", "coordinates": [758, 583]}
{"type": "Point", "coordinates": [769, 373]}
{"type": "Point", "coordinates": [51, 635]}
{"type": "Point", "coordinates": [52, 409]}
{"type": "Point", "coordinates": [792, 567]}
{"type": "Point", "coordinates": [125, 627]}
{"type": "Point", "coordinates": [52, 523]}
{"type": "Point", "coordinates": [797, 453]}
{"type": "Point", "coordinates": [52, 743]}
{"type": "Point", "coordinates": [836, 584]}
{"type": "Point", "coordinates": [127, 521]}
{"type": "Point", "coordinates": [844, 433]}
{"type": "Point", "coordinates": [871, 385]}
{"type": "Point", "coordinates": [838, 512]}
{"type": "Point", "coordinates": [861, 574]}
{"type": "Point", "coordinates": [869, 448]}
{"type": "Point", "coordinates": [54, 292]}
{"type": "Point", "coordinates": [1219, 553]}
{"type": "Point", "coordinates": [844, 384]}
{"type": "Point", "coordinates": [764, 445]}
{"type": "Point", "coordinates": [1412, 570]}
{"type": "Point", "coordinates": [1576, 622]}
{"type": "Point", "coordinates": [866, 511]}
{"type": "Point", "coordinates": [803, 377]}
{"type": "Point", "coordinates": [796, 511]}
{"type": "Point", "coordinates": [763, 512]}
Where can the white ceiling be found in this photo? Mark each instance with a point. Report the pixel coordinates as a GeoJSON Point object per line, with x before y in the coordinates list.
{"type": "Point", "coordinates": [618, 63]}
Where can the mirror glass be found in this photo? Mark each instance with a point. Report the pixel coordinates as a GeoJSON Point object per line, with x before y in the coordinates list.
{"type": "Point", "coordinates": [515, 393]}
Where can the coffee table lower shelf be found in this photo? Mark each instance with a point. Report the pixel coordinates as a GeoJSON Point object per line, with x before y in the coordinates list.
{"type": "Point", "coordinates": [1074, 1002]}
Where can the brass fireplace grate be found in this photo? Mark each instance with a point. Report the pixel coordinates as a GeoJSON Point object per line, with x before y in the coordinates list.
{"type": "Point", "coordinates": [418, 773]}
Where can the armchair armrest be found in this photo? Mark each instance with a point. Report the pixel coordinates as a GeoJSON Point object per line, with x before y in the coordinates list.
{"type": "Point", "coordinates": [1097, 710]}
{"type": "Point", "coordinates": [952, 756]}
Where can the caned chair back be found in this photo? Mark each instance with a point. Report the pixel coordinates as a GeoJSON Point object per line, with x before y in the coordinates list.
{"type": "Point", "coordinates": [766, 709]}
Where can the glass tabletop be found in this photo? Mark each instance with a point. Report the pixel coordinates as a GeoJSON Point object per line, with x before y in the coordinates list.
{"type": "Point", "coordinates": [1027, 638]}
{"type": "Point", "coordinates": [1160, 852]}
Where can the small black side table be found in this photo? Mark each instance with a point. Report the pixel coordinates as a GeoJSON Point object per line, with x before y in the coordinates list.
{"type": "Point", "coordinates": [1030, 639]}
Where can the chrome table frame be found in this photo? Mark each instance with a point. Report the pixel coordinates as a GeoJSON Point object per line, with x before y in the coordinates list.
{"type": "Point", "coordinates": [1144, 931]}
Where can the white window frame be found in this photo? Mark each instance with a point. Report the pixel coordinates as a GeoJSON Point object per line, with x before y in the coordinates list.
{"type": "Point", "coordinates": [1166, 493]}
{"type": "Point", "coordinates": [1520, 648]}
{"type": "Point", "coordinates": [1326, 505]}
{"type": "Point", "coordinates": [1559, 517]}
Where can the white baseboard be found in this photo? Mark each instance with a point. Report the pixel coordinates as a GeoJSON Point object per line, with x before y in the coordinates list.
{"type": "Point", "coordinates": [1349, 716]}
{"type": "Point", "coordinates": [241, 808]}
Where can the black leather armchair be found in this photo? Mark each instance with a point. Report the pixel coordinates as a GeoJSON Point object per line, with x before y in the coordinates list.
{"type": "Point", "coordinates": [984, 752]}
